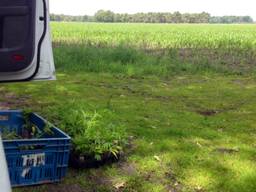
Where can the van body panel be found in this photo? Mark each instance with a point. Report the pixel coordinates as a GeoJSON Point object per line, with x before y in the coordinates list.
{"type": "Point", "coordinates": [17, 37]}
{"type": "Point", "coordinates": [25, 42]}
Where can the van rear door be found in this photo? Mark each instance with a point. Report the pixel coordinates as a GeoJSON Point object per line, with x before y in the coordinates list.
{"type": "Point", "coordinates": [25, 44]}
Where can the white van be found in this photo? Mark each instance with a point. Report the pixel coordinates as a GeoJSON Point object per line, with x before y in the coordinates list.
{"type": "Point", "coordinates": [25, 43]}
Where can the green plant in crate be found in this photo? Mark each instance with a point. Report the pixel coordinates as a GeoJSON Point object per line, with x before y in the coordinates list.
{"type": "Point", "coordinates": [30, 130]}
{"type": "Point", "coordinates": [9, 135]}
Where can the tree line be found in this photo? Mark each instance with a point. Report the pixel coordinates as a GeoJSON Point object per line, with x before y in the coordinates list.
{"type": "Point", "coordinates": [176, 17]}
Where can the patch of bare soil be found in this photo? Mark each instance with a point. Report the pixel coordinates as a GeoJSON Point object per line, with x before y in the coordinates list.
{"type": "Point", "coordinates": [174, 185]}
{"type": "Point", "coordinates": [127, 168]}
{"type": "Point", "coordinates": [55, 188]}
{"type": "Point", "coordinates": [64, 188]}
{"type": "Point", "coordinates": [207, 112]}
{"type": "Point", "coordinates": [170, 188]}
{"type": "Point", "coordinates": [211, 112]}
{"type": "Point", "coordinates": [197, 108]}
{"type": "Point", "coordinates": [100, 179]}
{"type": "Point", "coordinates": [131, 90]}
{"type": "Point", "coordinates": [12, 101]}
{"type": "Point", "coordinates": [227, 150]}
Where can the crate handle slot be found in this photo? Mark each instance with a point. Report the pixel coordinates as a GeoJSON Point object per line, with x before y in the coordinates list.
{"type": "Point", "coordinates": [31, 147]}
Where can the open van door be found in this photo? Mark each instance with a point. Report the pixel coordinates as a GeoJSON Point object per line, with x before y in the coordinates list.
{"type": "Point", "coordinates": [25, 51]}
{"type": "Point", "coordinates": [25, 43]}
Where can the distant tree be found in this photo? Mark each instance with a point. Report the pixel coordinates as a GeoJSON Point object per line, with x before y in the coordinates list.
{"type": "Point", "coordinates": [247, 19]}
{"type": "Point", "coordinates": [104, 16]}
{"type": "Point", "coordinates": [231, 19]}
{"type": "Point", "coordinates": [176, 17]}
{"type": "Point", "coordinates": [204, 17]}
{"type": "Point", "coordinates": [85, 18]}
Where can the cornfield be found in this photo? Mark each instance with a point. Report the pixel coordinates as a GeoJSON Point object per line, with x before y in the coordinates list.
{"type": "Point", "coordinates": [157, 36]}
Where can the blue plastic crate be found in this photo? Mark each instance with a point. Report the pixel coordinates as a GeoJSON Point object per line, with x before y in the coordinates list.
{"type": "Point", "coordinates": [34, 161]}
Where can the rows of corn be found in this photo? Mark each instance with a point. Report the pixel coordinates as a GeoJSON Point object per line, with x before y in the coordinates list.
{"type": "Point", "coordinates": [156, 36]}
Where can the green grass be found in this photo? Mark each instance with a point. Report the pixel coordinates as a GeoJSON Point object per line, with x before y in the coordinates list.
{"type": "Point", "coordinates": [162, 115]}
{"type": "Point", "coordinates": [191, 118]}
{"type": "Point", "coordinates": [162, 50]}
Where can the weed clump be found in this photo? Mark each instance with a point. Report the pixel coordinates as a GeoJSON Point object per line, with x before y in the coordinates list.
{"type": "Point", "coordinates": [95, 135]}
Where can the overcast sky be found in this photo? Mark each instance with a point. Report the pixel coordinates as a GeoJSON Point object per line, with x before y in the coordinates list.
{"type": "Point", "coordinates": [215, 7]}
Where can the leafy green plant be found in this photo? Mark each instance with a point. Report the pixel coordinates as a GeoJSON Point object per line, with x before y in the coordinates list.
{"type": "Point", "coordinates": [94, 133]}
{"type": "Point", "coordinates": [10, 135]}
{"type": "Point", "coordinates": [29, 129]}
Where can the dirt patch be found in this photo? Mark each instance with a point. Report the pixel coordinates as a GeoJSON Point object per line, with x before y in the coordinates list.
{"type": "Point", "coordinates": [227, 150]}
{"type": "Point", "coordinates": [199, 110]}
{"type": "Point", "coordinates": [196, 107]}
{"type": "Point", "coordinates": [65, 188]}
{"type": "Point", "coordinates": [147, 94]}
{"type": "Point", "coordinates": [174, 185]}
{"type": "Point", "coordinates": [99, 179]}
{"type": "Point", "coordinates": [12, 101]}
{"type": "Point", "coordinates": [96, 180]}
{"type": "Point", "coordinates": [207, 112]}
{"type": "Point", "coordinates": [127, 168]}
{"type": "Point", "coordinates": [212, 112]}
{"type": "Point", "coordinates": [55, 188]}
{"type": "Point", "coordinates": [176, 188]}
{"type": "Point", "coordinates": [133, 91]}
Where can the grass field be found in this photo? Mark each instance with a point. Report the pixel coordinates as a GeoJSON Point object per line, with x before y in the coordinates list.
{"type": "Point", "coordinates": [154, 49]}
{"type": "Point", "coordinates": [184, 93]}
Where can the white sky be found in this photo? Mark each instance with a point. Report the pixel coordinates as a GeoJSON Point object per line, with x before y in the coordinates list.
{"type": "Point", "coordinates": [215, 7]}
